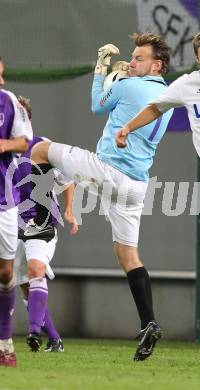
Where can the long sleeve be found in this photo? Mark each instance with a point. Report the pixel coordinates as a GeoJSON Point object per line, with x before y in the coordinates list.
{"type": "Point", "coordinates": [103, 102]}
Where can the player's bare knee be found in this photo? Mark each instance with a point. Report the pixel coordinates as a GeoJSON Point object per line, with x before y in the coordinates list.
{"type": "Point", "coordinates": [36, 269]}
{"type": "Point", "coordinates": [6, 275]}
{"type": "Point", "coordinates": [39, 152]}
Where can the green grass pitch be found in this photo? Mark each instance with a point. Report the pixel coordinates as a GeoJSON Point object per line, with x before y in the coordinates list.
{"type": "Point", "coordinates": [102, 365]}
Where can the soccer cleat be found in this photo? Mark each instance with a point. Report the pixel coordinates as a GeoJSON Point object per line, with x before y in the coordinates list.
{"type": "Point", "coordinates": [32, 230]}
{"type": "Point", "coordinates": [148, 338]}
{"type": "Point", "coordinates": [34, 341]}
{"type": "Point", "coordinates": [54, 345]}
{"type": "Point", "coordinates": [8, 359]}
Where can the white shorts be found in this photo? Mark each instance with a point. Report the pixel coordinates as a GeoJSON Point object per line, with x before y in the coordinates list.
{"type": "Point", "coordinates": [126, 202]}
{"type": "Point", "coordinates": [33, 249]}
{"type": "Point", "coordinates": [8, 233]}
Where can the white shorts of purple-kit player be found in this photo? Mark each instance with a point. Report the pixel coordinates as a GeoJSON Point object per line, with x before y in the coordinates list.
{"type": "Point", "coordinates": [33, 249]}
{"type": "Point", "coordinates": [8, 233]}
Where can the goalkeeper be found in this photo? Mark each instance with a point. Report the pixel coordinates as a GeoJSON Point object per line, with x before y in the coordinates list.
{"type": "Point", "coordinates": [124, 170]}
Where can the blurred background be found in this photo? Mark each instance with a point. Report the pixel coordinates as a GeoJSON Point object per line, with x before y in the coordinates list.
{"type": "Point", "coordinates": [49, 49]}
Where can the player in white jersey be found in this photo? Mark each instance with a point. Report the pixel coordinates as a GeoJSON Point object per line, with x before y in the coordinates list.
{"type": "Point", "coordinates": [121, 176]}
{"type": "Point", "coordinates": [15, 131]}
{"type": "Point", "coordinates": [185, 91]}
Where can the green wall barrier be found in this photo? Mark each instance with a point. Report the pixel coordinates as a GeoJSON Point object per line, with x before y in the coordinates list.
{"type": "Point", "coordinates": [42, 75]}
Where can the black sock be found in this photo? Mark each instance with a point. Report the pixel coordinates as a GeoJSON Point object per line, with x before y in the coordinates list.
{"type": "Point", "coordinates": [140, 285]}
{"type": "Point", "coordinates": [43, 213]}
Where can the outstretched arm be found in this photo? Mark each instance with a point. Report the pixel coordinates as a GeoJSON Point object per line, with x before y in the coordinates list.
{"type": "Point", "coordinates": [18, 145]}
{"type": "Point", "coordinates": [149, 114]}
{"type": "Point", "coordinates": [170, 98]}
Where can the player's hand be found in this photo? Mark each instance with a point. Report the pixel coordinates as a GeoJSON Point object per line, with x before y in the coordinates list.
{"type": "Point", "coordinates": [105, 53]}
{"type": "Point", "coordinates": [104, 56]}
{"type": "Point", "coordinates": [121, 137]}
{"type": "Point", "coordinates": [70, 218]}
{"type": "Point", "coordinates": [3, 145]}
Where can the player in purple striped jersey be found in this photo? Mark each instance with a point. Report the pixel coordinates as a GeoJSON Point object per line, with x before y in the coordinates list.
{"type": "Point", "coordinates": [36, 250]}
{"type": "Point", "coordinates": [15, 131]}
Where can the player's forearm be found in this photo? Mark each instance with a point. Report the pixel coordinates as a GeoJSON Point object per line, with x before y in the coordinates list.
{"type": "Point", "coordinates": [68, 198]}
{"type": "Point", "coordinates": [146, 116]}
{"type": "Point", "coordinates": [97, 91]}
{"type": "Point", "coordinates": [18, 145]}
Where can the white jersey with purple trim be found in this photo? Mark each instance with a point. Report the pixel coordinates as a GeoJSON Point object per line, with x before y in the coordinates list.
{"type": "Point", "coordinates": [21, 126]}
{"type": "Point", "coordinates": [122, 101]}
{"type": "Point", "coordinates": [185, 91]}
{"type": "Point", "coordinates": [14, 123]}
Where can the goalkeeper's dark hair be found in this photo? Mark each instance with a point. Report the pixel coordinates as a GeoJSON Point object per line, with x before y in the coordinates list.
{"type": "Point", "coordinates": [26, 103]}
{"type": "Point", "coordinates": [196, 43]}
{"type": "Point", "coordinates": [161, 50]}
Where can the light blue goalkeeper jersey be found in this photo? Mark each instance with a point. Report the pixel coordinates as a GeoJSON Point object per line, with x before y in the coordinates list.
{"type": "Point", "coordinates": [124, 100]}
